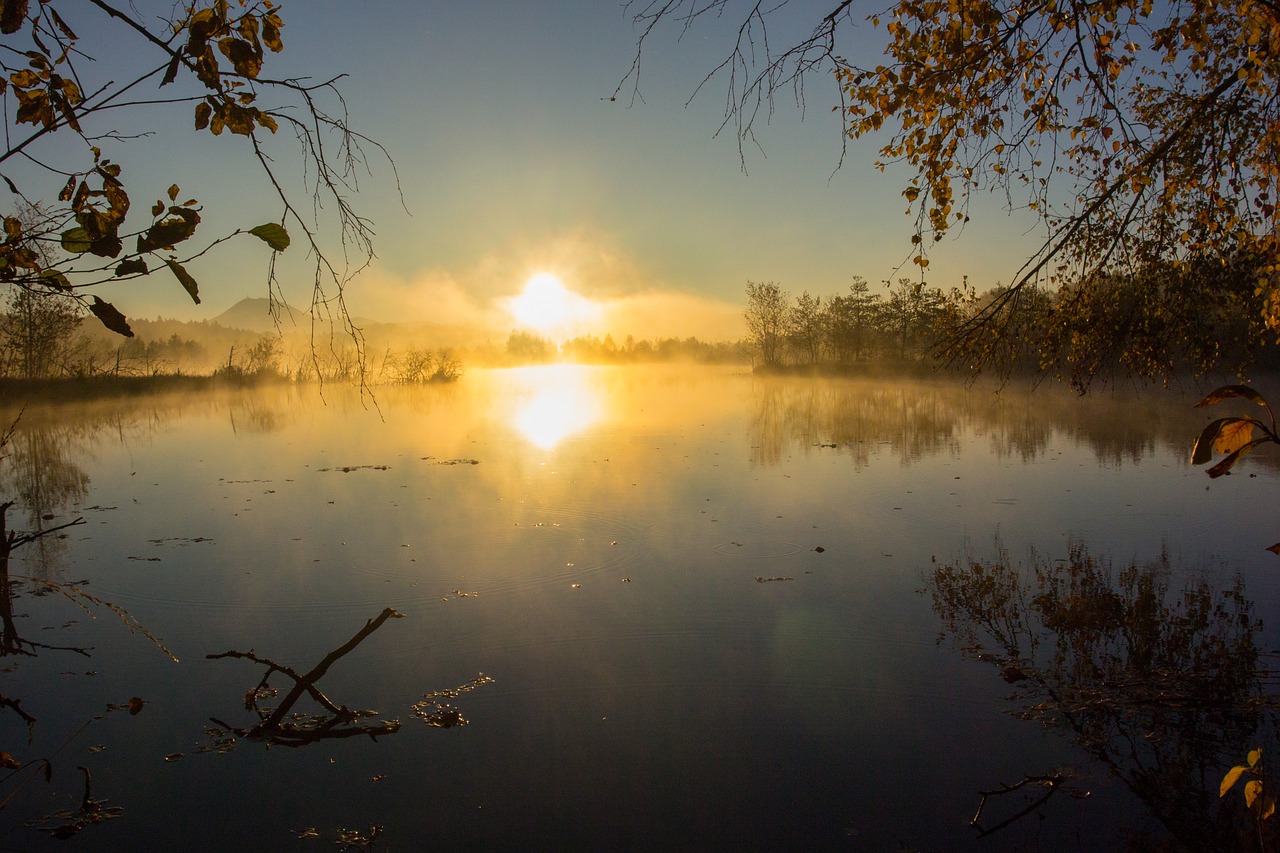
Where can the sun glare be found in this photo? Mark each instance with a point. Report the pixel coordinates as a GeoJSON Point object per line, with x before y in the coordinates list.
{"type": "Point", "coordinates": [561, 404]}
{"type": "Point", "coordinates": [546, 305]}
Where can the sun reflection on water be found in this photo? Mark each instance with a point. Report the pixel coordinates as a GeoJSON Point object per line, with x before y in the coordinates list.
{"type": "Point", "coordinates": [560, 403]}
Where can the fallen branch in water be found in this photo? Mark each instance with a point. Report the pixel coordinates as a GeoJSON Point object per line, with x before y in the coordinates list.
{"type": "Point", "coordinates": [281, 726]}
{"type": "Point", "coordinates": [1050, 782]}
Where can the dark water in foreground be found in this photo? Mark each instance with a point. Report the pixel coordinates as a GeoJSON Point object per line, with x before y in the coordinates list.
{"type": "Point", "coordinates": [718, 612]}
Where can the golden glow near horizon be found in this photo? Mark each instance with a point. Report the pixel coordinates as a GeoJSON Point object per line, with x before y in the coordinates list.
{"type": "Point", "coordinates": [562, 403]}
{"type": "Point", "coordinates": [547, 306]}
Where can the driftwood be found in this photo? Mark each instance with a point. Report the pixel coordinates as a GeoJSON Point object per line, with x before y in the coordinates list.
{"type": "Point", "coordinates": [1049, 782]}
{"type": "Point", "coordinates": [281, 725]}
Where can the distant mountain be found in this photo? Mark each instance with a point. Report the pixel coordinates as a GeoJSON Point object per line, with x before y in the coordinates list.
{"type": "Point", "coordinates": [254, 315]}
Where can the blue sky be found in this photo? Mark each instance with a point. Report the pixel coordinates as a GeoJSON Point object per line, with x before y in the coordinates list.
{"type": "Point", "coordinates": [512, 160]}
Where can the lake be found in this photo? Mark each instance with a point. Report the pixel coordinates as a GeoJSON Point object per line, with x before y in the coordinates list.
{"type": "Point", "coordinates": [675, 607]}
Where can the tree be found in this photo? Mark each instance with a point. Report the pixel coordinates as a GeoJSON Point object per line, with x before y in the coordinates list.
{"type": "Point", "coordinates": [207, 60]}
{"type": "Point", "coordinates": [848, 320]}
{"type": "Point", "coordinates": [910, 313]}
{"type": "Point", "coordinates": [766, 317]}
{"type": "Point", "coordinates": [36, 330]}
{"type": "Point", "coordinates": [1143, 136]}
{"type": "Point", "coordinates": [528, 348]}
{"type": "Point", "coordinates": [804, 326]}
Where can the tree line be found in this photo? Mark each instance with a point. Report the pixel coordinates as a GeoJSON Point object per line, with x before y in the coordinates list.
{"type": "Point", "coordinates": [1149, 324]}
{"type": "Point", "coordinates": [901, 325]}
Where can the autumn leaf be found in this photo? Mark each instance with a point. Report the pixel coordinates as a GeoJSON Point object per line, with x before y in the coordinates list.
{"type": "Point", "coordinates": [13, 15]}
{"type": "Point", "coordinates": [273, 235]}
{"type": "Point", "coordinates": [110, 317]}
{"type": "Point", "coordinates": [166, 234]}
{"type": "Point", "coordinates": [76, 240]}
{"type": "Point", "coordinates": [1233, 435]}
{"type": "Point", "coordinates": [1202, 450]}
{"type": "Point", "coordinates": [1228, 781]}
{"type": "Point", "coordinates": [132, 266]}
{"type": "Point", "coordinates": [185, 278]}
{"type": "Point", "coordinates": [55, 279]}
{"type": "Point", "coordinates": [1227, 462]}
{"type": "Point", "coordinates": [1227, 392]}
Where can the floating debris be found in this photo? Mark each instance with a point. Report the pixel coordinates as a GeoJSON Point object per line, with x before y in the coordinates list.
{"type": "Point", "coordinates": [442, 715]}
{"type": "Point", "coordinates": [772, 580]}
{"type": "Point", "coordinates": [459, 462]}
{"type": "Point", "coordinates": [217, 741]}
{"type": "Point", "coordinates": [347, 469]}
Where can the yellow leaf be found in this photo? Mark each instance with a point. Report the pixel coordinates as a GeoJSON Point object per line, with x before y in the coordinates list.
{"type": "Point", "coordinates": [1231, 437]}
{"type": "Point", "coordinates": [1255, 755]}
{"type": "Point", "coordinates": [1233, 775]}
{"type": "Point", "coordinates": [1252, 789]}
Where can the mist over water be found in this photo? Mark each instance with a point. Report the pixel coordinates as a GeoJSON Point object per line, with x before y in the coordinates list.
{"type": "Point", "coordinates": [718, 611]}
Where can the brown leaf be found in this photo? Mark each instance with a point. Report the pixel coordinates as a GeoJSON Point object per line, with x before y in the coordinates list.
{"type": "Point", "coordinates": [184, 277]}
{"type": "Point", "coordinates": [110, 317]}
{"type": "Point", "coordinates": [1228, 461]}
{"type": "Point", "coordinates": [171, 73]}
{"type": "Point", "coordinates": [13, 14]}
{"type": "Point", "coordinates": [135, 705]}
{"type": "Point", "coordinates": [1227, 392]}
{"type": "Point", "coordinates": [1275, 549]}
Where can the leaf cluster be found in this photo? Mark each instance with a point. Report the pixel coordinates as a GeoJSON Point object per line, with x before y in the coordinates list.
{"type": "Point", "coordinates": [209, 56]}
{"type": "Point", "coordinates": [1256, 797]}
{"type": "Point", "coordinates": [1160, 118]}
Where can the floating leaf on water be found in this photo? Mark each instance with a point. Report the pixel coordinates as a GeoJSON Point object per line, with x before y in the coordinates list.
{"type": "Point", "coordinates": [8, 762]}
{"type": "Point", "coordinates": [309, 832]}
{"type": "Point", "coordinates": [135, 705]}
{"type": "Point", "coordinates": [173, 756]}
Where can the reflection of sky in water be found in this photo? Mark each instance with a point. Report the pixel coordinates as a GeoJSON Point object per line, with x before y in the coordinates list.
{"type": "Point", "coordinates": [649, 692]}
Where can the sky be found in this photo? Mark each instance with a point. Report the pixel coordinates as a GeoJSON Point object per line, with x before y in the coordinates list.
{"type": "Point", "coordinates": [512, 160]}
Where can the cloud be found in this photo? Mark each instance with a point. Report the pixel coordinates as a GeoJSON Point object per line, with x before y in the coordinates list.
{"type": "Point", "coordinates": [670, 314]}
{"type": "Point", "coordinates": [479, 296]}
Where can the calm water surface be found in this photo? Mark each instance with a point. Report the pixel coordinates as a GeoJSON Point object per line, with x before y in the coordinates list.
{"type": "Point", "coordinates": [718, 612]}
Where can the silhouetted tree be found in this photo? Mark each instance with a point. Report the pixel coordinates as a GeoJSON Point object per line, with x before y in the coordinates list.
{"type": "Point", "coordinates": [766, 317]}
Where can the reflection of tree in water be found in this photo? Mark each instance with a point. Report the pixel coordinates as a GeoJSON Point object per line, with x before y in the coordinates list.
{"type": "Point", "coordinates": [852, 416]}
{"type": "Point", "coordinates": [1162, 687]}
{"type": "Point", "coordinates": [262, 412]}
{"type": "Point", "coordinates": [41, 476]}
{"type": "Point", "coordinates": [914, 419]}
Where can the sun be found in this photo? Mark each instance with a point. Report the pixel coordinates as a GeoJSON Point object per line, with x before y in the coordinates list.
{"type": "Point", "coordinates": [546, 305]}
